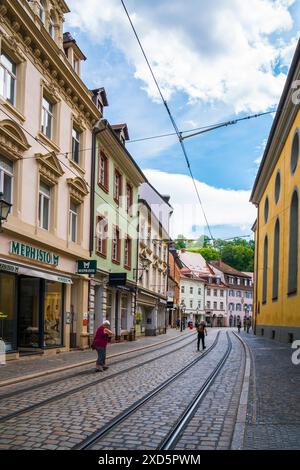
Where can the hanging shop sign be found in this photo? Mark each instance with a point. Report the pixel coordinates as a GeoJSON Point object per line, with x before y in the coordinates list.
{"type": "Point", "coordinates": [86, 266]}
{"type": "Point", "coordinates": [34, 254]}
{"type": "Point", "coordinates": [117, 279]}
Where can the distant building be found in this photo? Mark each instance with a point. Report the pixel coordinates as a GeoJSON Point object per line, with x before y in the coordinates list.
{"type": "Point", "coordinates": [239, 285]}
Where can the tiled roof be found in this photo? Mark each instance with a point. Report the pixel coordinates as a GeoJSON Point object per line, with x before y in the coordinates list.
{"type": "Point", "coordinates": [225, 268]}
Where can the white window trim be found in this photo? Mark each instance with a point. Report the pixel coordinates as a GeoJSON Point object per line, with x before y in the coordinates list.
{"type": "Point", "coordinates": [45, 113]}
{"type": "Point", "coordinates": [11, 175]}
{"type": "Point", "coordinates": [12, 75]}
{"type": "Point", "coordinates": [42, 197]}
{"type": "Point", "coordinates": [73, 213]}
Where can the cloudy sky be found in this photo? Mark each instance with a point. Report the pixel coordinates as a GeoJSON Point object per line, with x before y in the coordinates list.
{"type": "Point", "coordinates": [215, 61]}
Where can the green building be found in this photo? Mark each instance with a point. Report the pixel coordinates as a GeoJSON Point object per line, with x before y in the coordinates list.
{"type": "Point", "coordinates": [114, 229]}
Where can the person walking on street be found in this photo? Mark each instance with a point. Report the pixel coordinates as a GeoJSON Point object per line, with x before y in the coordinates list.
{"type": "Point", "coordinates": [245, 323]}
{"type": "Point", "coordinates": [248, 324]}
{"type": "Point", "coordinates": [239, 325]}
{"type": "Point", "coordinates": [100, 343]}
{"type": "Point", "coordinates": [202, 332]}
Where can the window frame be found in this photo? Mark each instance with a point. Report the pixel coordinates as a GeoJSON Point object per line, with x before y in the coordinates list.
{"type": "Point", "coordinates": [117, 193]}
{"type": "Point", "coordinates": [76, 214]}
{"type": "Point", "coordinates": [103, 157]}
{"type": "Point", "coordinates": [48, 113]}
{"type": "Point", "coordinates": [12, 75]}
{"type": "Point", "coordinates": [11, 175]}
{"type": "Point", "coordinates": [116, 242]}
{"type": "Point", "coordinates": [42, 197]}
{"type": "Point", "coordinates": [103, 251]}
{"type": "Point", "coordinates": [128, 251]}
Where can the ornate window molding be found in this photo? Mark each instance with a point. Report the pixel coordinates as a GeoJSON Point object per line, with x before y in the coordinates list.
{"type": "Point", "coordinates": [12, 139]}
{"type": "Point", "coordinates": [78, 189]}
{"type": "Point", "coordinates": [49, 167]}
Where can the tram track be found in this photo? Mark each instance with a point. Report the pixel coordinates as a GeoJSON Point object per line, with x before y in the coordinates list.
{"type": "Point", "coordinates": [34, 387]}
{"type": "Point", "coordinates": [95, 437]}
{"type": "Point", "coordinates": [72, 391]}
{"type": "Point", "coordinates": [170, 441]}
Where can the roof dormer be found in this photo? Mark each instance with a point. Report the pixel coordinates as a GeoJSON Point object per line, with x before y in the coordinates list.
{"type": "Point", "coordinates": [72, 51]}
{"type": "Point", "coordinates": [100, 99]}
{"type": "Point", "coordinates": [121, 130]}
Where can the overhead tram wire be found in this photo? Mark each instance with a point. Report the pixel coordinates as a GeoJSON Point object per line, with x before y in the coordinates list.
{"type": "Point", "coordinates": [203, 129]}
{"type": "Point", "coordinates": [170, 116]}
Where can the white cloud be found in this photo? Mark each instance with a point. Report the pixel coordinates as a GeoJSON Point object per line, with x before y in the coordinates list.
{"type": "Point", "coordinates": [214, 52]}
{"type": "Point", "coordinates": [222, 206]}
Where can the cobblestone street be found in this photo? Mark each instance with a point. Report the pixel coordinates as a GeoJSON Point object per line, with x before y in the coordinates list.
{"type": "Point", "coordinates": [63, 410]}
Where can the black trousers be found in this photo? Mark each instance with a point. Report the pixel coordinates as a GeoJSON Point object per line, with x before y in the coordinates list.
{"type": "Point", "coordinates": [200, 336]}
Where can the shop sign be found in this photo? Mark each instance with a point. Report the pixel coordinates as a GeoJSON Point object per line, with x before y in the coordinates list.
{"type": "Point", "coordinates": [9, 267]}
{"type": "Point", "coordinates": [64, 280]}
{"type": "Point", "coordinates": [68, 318]}
{"type": "Point", "coordinates": [170, 304]}
{"type": "Point", "coordinates": [35, 254]}
{"type": "Point", "coordinates": [85, 319]}
{"type": "Point", "coordinates": [3, 315]}
{"type": "Point", "coordinates": [85, 266]}
{"type": "Point", "coordinates": [117, 279]}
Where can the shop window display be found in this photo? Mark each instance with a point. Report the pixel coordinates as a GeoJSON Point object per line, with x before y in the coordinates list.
{"type": "Point", "coordinates": [53, 314]}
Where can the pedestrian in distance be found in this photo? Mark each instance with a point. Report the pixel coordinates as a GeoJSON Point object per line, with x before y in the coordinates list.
{"type": "Point", "coordinates": [178, 323]}
{"type": "Point", "coordinates": [239, 325]}
{"type": "Point", "coordinates": [100, 343]}
{"type": "Point", "coordinates": [202, 332]}
{"type": "Point", "coordinates": [248, 323]}
{"type": "Point", "coordinates": [245, 323]}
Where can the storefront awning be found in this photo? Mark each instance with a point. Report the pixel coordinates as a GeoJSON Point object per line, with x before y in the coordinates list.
{"type": "Point", "coordinates": [17, 268]}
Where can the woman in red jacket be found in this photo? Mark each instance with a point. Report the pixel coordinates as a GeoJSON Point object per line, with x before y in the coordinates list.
{"type": "Point", "coordinates": [100, 343]}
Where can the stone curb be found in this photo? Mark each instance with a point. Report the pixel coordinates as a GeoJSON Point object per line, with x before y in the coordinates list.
{"type": "Point", "coordinates": [35, 375]}
{"type": "Point", "coordinates": [240, 425]}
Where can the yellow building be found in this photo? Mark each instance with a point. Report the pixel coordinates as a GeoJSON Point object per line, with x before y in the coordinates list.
{"type": "Point", "coordinates": [276, 194]}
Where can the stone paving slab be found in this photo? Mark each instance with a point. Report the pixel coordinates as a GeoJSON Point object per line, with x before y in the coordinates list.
{"type": "Point", "coordinates": [34, 365]}
{"type": "Point", "coordinates": [273, 414]}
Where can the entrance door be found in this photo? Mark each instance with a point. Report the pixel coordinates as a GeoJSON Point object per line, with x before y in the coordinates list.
{"type": "Point", "coordinates": [29, 313]}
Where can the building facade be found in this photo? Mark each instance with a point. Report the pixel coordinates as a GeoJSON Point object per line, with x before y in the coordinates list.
{"type": "Point", "coordinates": [114, 228]}
{"type": "Point", "coordinates": [192, 296]}
{"type": "Point", "coordinates": [152, 273]}
{"type": "Point", "coordinates": [173, 293]}
{"type": "Point", "coordinates": [276, 196]}
{"type": "Point", "coordinates": [46, 120]}
{"type": "Point", "coordinates": [239, 303]}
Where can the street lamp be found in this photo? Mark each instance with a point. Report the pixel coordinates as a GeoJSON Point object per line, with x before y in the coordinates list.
{"type": "Point", "coordinates": [4, 209]}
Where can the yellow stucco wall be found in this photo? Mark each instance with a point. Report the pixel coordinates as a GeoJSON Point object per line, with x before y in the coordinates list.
{"type": "Point", "coordinates": [285, 311]}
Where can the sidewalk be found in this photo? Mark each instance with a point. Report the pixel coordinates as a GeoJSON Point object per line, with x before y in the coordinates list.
{"type": "Point", "coordinates": [273, 414]}
{"type": "Point", "coordinates": [34, 366]}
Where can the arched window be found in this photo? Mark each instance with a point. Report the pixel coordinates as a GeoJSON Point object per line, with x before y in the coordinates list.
{"type": "Point", "coordinates": [266, 212]}
{"type": "Point", "coordinates": [293, 249]}
{"type": "Point", "coordinates": [276, 260]}
{"type": "Point", "coordinates": [265, 271]}
{"type": "Point", "coordinates": [295, 152]}
{"type": "Point", "coordinates": [277, 186]}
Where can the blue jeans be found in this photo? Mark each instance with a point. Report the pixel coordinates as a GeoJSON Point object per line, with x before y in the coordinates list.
{"type": "Point", "coordinates": [101, 356]}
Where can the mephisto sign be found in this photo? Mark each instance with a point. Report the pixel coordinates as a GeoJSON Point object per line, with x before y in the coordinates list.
{"type": "Point", "coordinates": [34, 254]}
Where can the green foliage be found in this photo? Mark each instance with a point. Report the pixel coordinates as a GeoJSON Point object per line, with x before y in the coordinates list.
{"type": "Point", "coordinates": [180, 242]}
{"type": "Point", "coordinates": [238, 252]}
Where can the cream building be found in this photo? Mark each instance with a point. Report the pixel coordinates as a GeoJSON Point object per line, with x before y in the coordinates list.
{"type": "Point", "coordinates": [46, 120]}
{"type": "Point", "coordinates": [192, 297]}
{"type": "Point", "coordinates": [152, 273]}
